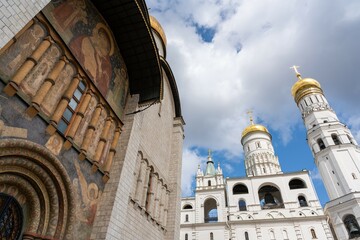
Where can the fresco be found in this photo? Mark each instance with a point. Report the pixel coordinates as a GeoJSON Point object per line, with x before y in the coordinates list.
{"type": "Point", "coordinates": [91, 41]}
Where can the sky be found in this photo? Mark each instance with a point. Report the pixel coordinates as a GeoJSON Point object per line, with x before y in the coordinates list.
{"type": "Point", "coordinates": [229, 56]}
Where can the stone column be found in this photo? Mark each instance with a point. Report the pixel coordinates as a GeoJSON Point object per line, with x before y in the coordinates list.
{"type": "Point", "coordinates": [151, 195]}
{"type": "Point", "coordinates": [13, 86]}
{"type": "Point", "coordinates": [77, 119]}
{"type": "Point", "coordinates": [157, 200]}
{"type": "Point", "coordinates": [60, 109]}
{"type": "Point", "coordinates": [146, 185]}
{"type": "Point", "coordinates": [89, 132]}
{"type": "Point", "coordinates": [166, 207]}
{"type": "Point", "coordinates": [162, 200]}
{"type": "Point", "coordinates": [101, 144]}
{"type": "Point", "coordinates": [34, 108]}
{"type": "Point", "coordinates": [111, 155]}
{"type": "Point", "coordinates": [140, 181]}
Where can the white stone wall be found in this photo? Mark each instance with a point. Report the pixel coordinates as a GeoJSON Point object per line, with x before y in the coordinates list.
{"type": "Point", "coordinates": [296, 221]}
{"type": "Point", "coordinates": [159, 137]}
{"type": "Point", "coordinates": [14, 15]}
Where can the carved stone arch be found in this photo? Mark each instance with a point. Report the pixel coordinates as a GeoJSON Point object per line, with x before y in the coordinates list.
{"type": "Point", "coordinates": [39, 182]}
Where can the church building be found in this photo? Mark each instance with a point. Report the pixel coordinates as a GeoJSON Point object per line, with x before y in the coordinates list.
{"type": "Point", "coordinates": [91, 129]}
{"type": "Point", "coordinates": [267, 204]}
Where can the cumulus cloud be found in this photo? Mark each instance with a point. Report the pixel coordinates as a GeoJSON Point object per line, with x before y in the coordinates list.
{"type": "Point", "coordinates": [191, 160]}
{"type": "Point", "coordinates": [246, 63]}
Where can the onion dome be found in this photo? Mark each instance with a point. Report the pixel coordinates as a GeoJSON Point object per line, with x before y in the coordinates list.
{"type": "Point", "coordinates": [254, 128]}
{"type": "Point", "coordinates": [158, 29]}
{"type": "Point", "coordinates": [304, 86]}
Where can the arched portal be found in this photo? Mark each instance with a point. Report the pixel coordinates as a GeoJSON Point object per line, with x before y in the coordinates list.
{"type": "Point", "coordinates": [270, 197]}
{"type": "Point", "coordinates": [210, 210]}
{"type": "Point", "coordinates": [37, 180]}
{"type": "Point", "coordinates": [11, 217]}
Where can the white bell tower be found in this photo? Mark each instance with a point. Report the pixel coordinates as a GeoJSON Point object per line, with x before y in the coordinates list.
{"type": "Point", "coordinates": [259, 152]}
{"type": "Point", "coordinates": [336, 155]}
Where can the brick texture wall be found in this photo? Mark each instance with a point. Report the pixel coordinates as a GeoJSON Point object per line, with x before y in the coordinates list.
{"type": "Point", "coordinates": [14, 15]}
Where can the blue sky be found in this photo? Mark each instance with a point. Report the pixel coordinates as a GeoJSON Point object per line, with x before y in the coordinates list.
{"type": "Point", "coordinates": [229, 56]}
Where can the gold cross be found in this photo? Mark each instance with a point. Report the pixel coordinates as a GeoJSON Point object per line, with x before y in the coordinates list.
{"type": "Point", "coordinates": [250, 112]}
{"type": "Point", "coordinates": [298, 75]}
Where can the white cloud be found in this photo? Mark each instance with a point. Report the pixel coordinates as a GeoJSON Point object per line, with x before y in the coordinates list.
{"type": "Point", "coordinates": [191, 160]}
{"type": "Point", "coordinates": [217, 84]}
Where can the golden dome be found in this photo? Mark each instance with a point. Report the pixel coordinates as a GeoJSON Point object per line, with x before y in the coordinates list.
{"type": "Point", "coordinates": [157, 27]}
{"type": "Point", "coordinates": [254, 128]}
{"type": "Point", "coordinates": [305, 86]}
{"type": "Point", "coordinates": [304, 83]}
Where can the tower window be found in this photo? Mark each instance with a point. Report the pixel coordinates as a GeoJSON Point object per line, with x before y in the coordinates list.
{"type": "Point", "coordinates": [354, 176]}
{"type": "Point", "coordinates": [296, 184]}
{"type": "Point", "coordinates": [350, 139]}
{"type": "Point", "coordinates": [258, 145]}
{"type": "Point", "coordinates": [321, 144]}
{"type": "Point", "coordinates": [242, 205]}
{"type": "Point", "coordinates": [186, 236]}
{"type": "Point", "coordinates": [264, 170]}
{"type": "Point", "coordinates": [246, 236]}
{"type": "Point", "coordinates": [209, 183]}
{"type": "Point", "coordinates": [186, 218]}
{"type": "Point", "coordinates": [240, 189]}
{"type": "Point", "coordinates": [211, 236]}
{"type": "Point", "coordinates": [335, 139]}
{"type": "Point", "coordinates": [313, 234]}
{"type": "Point", "coordinates": [302, 201]}
{"type": "Point", "coordinates": [352, 226]}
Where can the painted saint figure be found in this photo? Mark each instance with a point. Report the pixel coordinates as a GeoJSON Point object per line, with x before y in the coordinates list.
{"type": "Point", "coordinates": [94, 53]}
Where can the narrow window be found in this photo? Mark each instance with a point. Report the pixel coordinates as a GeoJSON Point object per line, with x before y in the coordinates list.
{"type": "Point", "coordinates": [258, 145]}
{"type": "Point", "coordinates": [70, 109]}
{"type": "Point", "coordinates": [321, 144]}
{"type": "Point", "coordinates": [242, 205]}
{"type": "Point", "coordinates": [186, 218]}
{"type": "Point", "coordinates": [354, 176]}
{"type": "Point", "coordinates": [335, 138]}
{"type": "Point", "coordinates": [186, 236]}
{"type": "Point", "coordinates": [305, 102]}
{"type": "Point", "coordinates": [285, 235]}
{"type": "Point", "coordinates": [211, 236]}
{"type": "Point", "coordinates": [313, 234]}
{"type": "Point", "coordinates": [264, 170]}
{"type": "Point", "coordinates": [248, 148]}
{"type": "Point", "coordinates": [302, 201]}
{"type": "Point", "coordinates": [311, 99]}
{"type": "Point", "coordinates": [316, 96]}
{"type": "Point", "coordinates": [246, 236]}
{"type": "Point", "coordinates": [272, 235]}
{"type": "Point", "coordinates": [209, 183]}
{"type": "Point", "coordinates": [350, 139]}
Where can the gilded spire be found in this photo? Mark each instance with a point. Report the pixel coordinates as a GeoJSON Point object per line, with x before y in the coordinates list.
{"type": "Point", "coordinates": [298, 75]}
{"type": "Point", "coordinates": [250, 112]}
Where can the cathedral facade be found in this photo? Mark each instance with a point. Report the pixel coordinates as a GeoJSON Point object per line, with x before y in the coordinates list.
{"type": "Point", "coordinates": [267, 204]}
{"type": "Point", "coordinates": [91, 129]}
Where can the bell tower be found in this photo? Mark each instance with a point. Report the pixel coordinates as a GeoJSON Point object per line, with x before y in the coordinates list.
{"type": "Point", "coordinates": [336, 155]}
{"type": "Point", "coordinates": [260, 157]}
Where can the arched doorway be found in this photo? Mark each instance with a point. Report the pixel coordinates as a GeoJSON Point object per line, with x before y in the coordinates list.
{"type": "Point", "coordinates": [210, 210]}
{"type": "Point", "coordinates": [11, 217]}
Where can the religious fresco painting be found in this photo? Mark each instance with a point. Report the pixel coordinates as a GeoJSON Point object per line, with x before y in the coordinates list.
{"type": "Point", "coordinates": [93, 45]}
